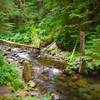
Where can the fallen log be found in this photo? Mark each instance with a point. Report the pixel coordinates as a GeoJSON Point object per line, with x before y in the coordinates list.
{"type": "Point", "coordinates": [55, 61]}
{"type": "Point", "coordinates": [14, 44]}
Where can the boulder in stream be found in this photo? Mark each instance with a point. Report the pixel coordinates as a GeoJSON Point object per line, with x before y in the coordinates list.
{"type": "Point", "coordinates": [16, 50]}
{"type": "Point", "coordinates": [24, 55]}
{"type": "Point", "coordinates": [27, 70]}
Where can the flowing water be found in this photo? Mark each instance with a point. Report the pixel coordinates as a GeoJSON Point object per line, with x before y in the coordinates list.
{"type": "Point", "coordinates": [51, 79]}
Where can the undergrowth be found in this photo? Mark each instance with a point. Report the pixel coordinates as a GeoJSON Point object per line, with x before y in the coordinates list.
{"type": "Point", "coordinates": [9, 74]}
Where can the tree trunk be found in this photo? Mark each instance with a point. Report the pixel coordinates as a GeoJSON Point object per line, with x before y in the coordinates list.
{"type": "Point", "coordinates": [82, 50]}
{"type": "Point", "coordinates": [21, 4]}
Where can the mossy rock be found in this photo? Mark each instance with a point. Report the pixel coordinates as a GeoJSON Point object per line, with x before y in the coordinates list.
{"type": "Point", "coordinates": [26, 63]}
{"type": "Point", "coordinates": [81, 82]}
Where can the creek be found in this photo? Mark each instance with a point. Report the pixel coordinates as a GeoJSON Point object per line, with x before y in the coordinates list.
{"type": "Point", "coordinates": [49, 77]}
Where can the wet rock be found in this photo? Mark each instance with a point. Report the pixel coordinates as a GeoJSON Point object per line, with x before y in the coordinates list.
{"type": "Point", "coordinates": [67, 72]}
{"type": "Point", "coordinates": [38, 71]}
{"type": "Point", "coordinates": [15, 59]}
{"type": "Point", "coordinates": [55, 71]}
{"type": "Point", "coordinates": [31, 84]}
{"type": "Point", "coordinates": [16, 50]}
{"type": "Point", "coordinates": [8, 49]}
{"type": "Point", "coordinates": [10, 60]}
{"type": "Point", "coordinates": [55, 96]}
{"type": "Point", "coordinates": [74, 78]}
{"type": "Point", "coordinates": [6, 53]}
{"type": "Point", "coordinates": [27, 88]}
{"type": "Point", "coordinates": [5, 91]}
{"type": "Point", "coordinates": [46, 69]}
{"type": "Point", "coordinates": [35, 93]}
{"type": "Point", "coordinates": [21, 93]}
{"type": "Point", "coordinates": [35, 52]}
{"type": "Point", "coordinates": [45, 78]}
{"type": "Point", "coordinates": [24, 55]}
{"type": "Point", "coordinates": [20, 60]}
{"type": "Point", "coordinates": [62, 77]}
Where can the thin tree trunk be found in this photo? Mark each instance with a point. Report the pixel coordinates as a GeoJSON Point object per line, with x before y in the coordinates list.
{"type": "Point", "coordinates": [82, 50]}
{"type": "Point", "coordinates": [21, 4]}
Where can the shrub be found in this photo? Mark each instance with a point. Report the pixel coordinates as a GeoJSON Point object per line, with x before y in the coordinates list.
{"type": "Point", "coordinates": [9, 74]}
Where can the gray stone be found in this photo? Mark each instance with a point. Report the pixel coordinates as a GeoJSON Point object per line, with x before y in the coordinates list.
{"type": "Point", "coordinates": [16, 50]}
{"type": "Point", "coordinates": [24, 55]}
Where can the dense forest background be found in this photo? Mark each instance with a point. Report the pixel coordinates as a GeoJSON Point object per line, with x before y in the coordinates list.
{"type": "Point", "coordinates": [50, 49]}
{"type": "Point", "coordinates": [40, 22]}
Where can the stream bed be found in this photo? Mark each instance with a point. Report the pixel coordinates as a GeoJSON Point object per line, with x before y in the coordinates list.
{"type": "Point", "coordinates": [49, 78]}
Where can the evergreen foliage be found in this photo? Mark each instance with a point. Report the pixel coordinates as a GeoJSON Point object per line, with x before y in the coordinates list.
{"type": "Point", "coordinates": [39, 21]}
